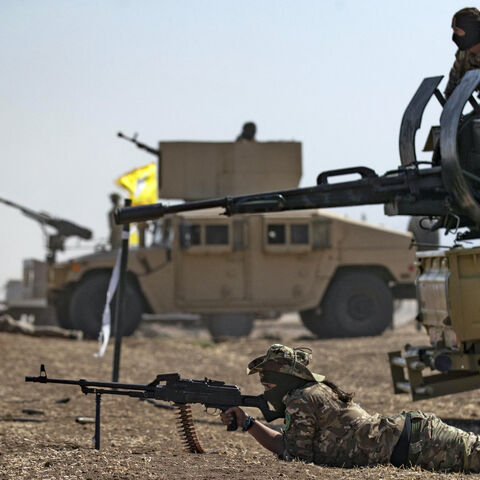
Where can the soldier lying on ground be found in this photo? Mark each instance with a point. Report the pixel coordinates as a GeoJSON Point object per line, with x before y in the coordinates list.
{"type": "Point", "coordinates": [325, 426]}
{"type": "Point", "coordinates": [10, 325]}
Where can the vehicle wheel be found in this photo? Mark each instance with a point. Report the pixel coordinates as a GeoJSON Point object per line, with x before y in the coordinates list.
{"type": "Point", "coordinates": [62, 309]}
{"type": "Point", "coordinates": [88, 302]}
{"type": "Point", "coordinates": [229, 325]}
{"type": "Point", "coordinates": [356, 304]}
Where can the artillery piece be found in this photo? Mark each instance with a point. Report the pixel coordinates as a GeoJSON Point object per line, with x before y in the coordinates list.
{"type": "Point", "coordinates": [446, 190]}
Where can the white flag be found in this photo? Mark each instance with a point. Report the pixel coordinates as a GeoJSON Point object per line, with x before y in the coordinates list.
{"type": "Point", "coordinates": [104, 335]}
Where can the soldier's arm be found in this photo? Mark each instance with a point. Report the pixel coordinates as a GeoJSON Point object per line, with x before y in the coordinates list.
{"type": "Point", "coordinates": [455, 75]}
{"type": "Point", "coordinates": [299, 431]}
{"type": "Point", "coordinates": [265, 436]}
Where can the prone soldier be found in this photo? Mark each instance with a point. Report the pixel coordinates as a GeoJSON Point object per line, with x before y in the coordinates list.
{"type": "Point", "coordinates": [325, 426]}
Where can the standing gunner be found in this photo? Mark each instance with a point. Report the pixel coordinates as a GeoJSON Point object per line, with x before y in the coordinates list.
{"type": "Point", "coordinates": [325, 426]}
{"type": "Point", "coordinates": [466, 35]}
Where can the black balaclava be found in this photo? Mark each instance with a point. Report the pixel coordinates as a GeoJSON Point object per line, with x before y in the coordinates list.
{"type": "Point", "coordinates": [470, 24]}
{"type": "Point", "coordinates": [284, 383]}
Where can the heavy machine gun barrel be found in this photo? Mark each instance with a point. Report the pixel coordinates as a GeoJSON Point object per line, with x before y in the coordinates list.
{"type": "Point", "coordinates": [169, 387]}
{"type": "Point", "coordinates": [448, 188]}
{"type": "Point", "coordinates": [143, 146]}
{"type": "Point", "coordinates": [406, 191]}
{"type": "Point", "coordinates": [63, 227]}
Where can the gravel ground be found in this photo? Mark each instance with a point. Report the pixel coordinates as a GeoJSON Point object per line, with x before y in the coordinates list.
{"type": "Point", "coordinates": [141, 441]}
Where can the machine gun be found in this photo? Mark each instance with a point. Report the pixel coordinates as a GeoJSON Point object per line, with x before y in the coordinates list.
{"type": "Point", "coordinates": [64, 228]}
{"type": "Point", "coordinates": [447, 189]}
{"type": "Point", "coordinates": [143, 146]}
{"type": "Point", "coordinates": [171, 387]}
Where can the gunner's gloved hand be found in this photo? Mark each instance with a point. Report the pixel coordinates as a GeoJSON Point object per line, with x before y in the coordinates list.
{"type": "Point", "coordinates": [227, 416]}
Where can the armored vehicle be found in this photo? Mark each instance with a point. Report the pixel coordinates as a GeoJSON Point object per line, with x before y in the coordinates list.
{"type": "Point", "coordinates": [341, 275]}
{"type": "Point", "coordinates": [28, 296]}
{"type": "Point", "coordinates": [445, 190]}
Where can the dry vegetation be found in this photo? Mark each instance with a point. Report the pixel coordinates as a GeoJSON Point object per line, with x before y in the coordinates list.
{"type": "Point", "coordinates": [141, 441]}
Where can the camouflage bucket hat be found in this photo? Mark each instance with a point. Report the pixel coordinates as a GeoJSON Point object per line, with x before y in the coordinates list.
{"type": "Point", "coordinates": [282, 359]}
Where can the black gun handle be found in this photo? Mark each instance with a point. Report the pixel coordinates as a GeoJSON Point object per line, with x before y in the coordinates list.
{"type": "Point", "coordinates": [364, 172]}
{"type": "Point", "coordinates": [233, 425]}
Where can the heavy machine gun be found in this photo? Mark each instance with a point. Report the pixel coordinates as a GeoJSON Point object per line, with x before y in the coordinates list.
{"type": "Point", "coordinates": [142, 146]}
{"type": "Point", "coordinates": [171, 387]}
{"type": "Point", "coordinates": [447, 191]}
{"type": "Point", "coordinates": [64, 228]}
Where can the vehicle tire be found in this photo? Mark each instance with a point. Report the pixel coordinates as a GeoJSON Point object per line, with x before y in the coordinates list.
{"type": "Point", "coordinates": [228, 325]}
{"type": "Point", "coordinates": [88, 301]}
{"type": "Point", "coordinates": [62, 309]}
{"type": "Point", "coordinates": [356, 304]}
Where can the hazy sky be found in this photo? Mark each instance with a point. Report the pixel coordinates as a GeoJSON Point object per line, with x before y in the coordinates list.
{"type": "Point", "coordinates": [333, 74]}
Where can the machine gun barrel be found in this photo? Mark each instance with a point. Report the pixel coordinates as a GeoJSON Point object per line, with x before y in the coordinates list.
{"type": "Point", "coordinates": [143, 146]}
{"type": "Point", "coordinates": [406, 191]}
{"type": "Point", "coordinates": [449, 189]}
{"type": "Point", "coordinates": [63, 227]}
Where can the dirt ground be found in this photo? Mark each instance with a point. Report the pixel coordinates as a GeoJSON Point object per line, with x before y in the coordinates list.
{"type": "Point", "coordinates": [141, 441]}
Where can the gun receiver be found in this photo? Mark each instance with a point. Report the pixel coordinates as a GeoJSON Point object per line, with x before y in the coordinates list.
{"type": "Point", "coordinates": [449, 188]}
{"type": "Point", "coordinates": [170, 387]}
{"type": "Point", "coordinates": [143, 146]}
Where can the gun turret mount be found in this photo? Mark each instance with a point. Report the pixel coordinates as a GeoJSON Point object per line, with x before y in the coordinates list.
{"type": "Point", "coordinates": [63, 228]}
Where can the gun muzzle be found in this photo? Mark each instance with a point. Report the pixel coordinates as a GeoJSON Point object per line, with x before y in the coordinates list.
{"type": "Point", "coordinates": [139, 213]}
{"type": "Point", "coordinates": [41, 379]}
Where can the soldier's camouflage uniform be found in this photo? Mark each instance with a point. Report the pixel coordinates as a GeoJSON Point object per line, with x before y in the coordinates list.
{"type": "Point", "coordinates": [464, 61]}
{"type": "Point", "coordinates": [322, 429]}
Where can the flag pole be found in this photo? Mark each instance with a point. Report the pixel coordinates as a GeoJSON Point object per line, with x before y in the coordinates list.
{"type": "Point", "coordinates": [120, 300]}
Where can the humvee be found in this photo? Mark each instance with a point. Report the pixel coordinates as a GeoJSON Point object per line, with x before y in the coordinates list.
{"type": "Point", "coordinates": [341, 275]}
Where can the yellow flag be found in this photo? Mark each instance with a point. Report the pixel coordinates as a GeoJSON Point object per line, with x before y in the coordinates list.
{"type": "Point", "coordinates": [141, 183]}
{"type": "Point", "coordinates": [133, 240]}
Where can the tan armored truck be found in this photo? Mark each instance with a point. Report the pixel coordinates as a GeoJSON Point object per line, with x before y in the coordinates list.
{"type": "Point", "coordinates": [341, 275]}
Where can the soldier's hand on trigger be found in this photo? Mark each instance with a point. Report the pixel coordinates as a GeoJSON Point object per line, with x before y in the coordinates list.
{"type": "Point", "coordinates": [227, 416]}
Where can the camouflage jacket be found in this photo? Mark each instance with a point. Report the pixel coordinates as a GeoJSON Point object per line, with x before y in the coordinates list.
{"type": "Point", "coordinates": [322, 429]}
{"type": "Point", "coordinates": [464, 61]}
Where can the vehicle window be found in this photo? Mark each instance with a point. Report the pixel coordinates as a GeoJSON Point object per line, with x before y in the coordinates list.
{"type": "Point", "coordinates": [195, 235]}
{"type": "Point", "coordinates": [189, 235]}
{"type": "Point", "coordinates": [299, 234]}
{"type": "Point", "coordinates": [216, 235]}
{"type": "Point", "coordinates": [275, 234]}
